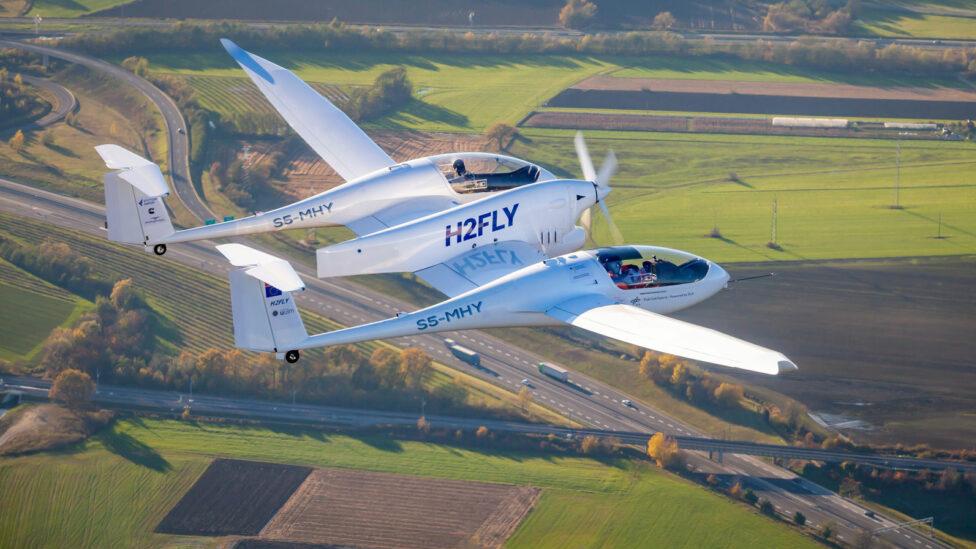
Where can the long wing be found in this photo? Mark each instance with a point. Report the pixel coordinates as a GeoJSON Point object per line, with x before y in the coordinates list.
{"type": "Point", "coordinates": [477, 267]}
{"type": "Point", "coordinates": [667, 335]}
{"type": "Point", "coordinates": [330, 133]}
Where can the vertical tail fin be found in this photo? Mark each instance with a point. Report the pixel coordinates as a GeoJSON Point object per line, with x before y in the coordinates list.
{"type": "Point", "coordinates": [265, 315]}
{"type": "Point", "coordinates": [133, 198]}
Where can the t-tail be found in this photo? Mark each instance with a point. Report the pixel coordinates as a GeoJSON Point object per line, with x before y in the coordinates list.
{"type": "Point", "coordinates": [265, 315]}
{"type": "Point", "coordinates": [135, 213]}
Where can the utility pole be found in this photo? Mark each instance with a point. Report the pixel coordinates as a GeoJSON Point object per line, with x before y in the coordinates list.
{"type": "Point", "coordinates": [940, 226]}
{"type": "Point", "coordinates": [772, 231]}
{"type": "Point", "coordinates": [37, 24]}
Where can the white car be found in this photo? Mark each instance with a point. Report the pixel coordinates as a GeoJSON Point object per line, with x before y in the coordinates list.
{"type": "Point", "coordinates": [627, 403]}
{"type": "Point", "coordinates": [526, 383]}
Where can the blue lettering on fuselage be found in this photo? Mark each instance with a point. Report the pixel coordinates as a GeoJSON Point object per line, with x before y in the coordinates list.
{"type": "Point", "coordinates": [457, 313]}
{"type": "Point", "coordinates": [301, 215]}
{"type": "Point", "coordinates": [473, 227]}
{"type": "Point", "coordinates": [478, 260]}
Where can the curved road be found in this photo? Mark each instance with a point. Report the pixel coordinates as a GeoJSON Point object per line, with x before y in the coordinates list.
{"type": "Point", "coordinates": [65, 101]}
{"type": "Point", "coordinates": [179, 150]}
{"type": "Point", "coordinates": [587, 401]}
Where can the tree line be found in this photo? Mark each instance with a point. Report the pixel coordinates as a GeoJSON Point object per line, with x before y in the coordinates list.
{"type": "Point", "coordinates": [841, 55]}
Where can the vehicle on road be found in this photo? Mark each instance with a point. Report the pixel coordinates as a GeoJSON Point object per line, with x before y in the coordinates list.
{"type": "Point", "coordinates": [628, 403]}
{"type": "Point", "coordinates": [556, 372]}
{"type": "Point", "coordinates": [465, 355]}
{"type": "Point", "coordinates": [526, 383]}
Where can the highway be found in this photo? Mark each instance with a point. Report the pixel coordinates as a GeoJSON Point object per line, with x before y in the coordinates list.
{"type": "Point", "coordinates": [588, 402]}
{"type": "Point", "coordinates": [203, 405]}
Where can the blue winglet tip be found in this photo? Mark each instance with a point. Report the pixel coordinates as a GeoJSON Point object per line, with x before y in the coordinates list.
{"type": "Point", "coordinates": [245, 59]}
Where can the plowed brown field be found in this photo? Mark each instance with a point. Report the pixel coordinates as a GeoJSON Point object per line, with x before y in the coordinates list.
{"type": "Point", "coordinates": [383, 510]}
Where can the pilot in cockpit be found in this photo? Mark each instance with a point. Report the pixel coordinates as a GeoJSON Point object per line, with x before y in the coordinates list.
{"type": "Point", "coordinates": [459, 168]}
{"type": "Point", "coordinates": [613, 267]}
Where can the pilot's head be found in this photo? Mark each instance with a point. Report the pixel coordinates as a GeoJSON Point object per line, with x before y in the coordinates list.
{"type": "Point", "coordinates": [459, 167]}
{"type": "Point", "coordinates": [614, 266]}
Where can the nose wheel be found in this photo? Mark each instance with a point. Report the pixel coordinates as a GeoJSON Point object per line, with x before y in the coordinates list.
{"type": "Point", "coordinates": [159, 249]}
{"type": "Point", "coordinates": [292, 357]}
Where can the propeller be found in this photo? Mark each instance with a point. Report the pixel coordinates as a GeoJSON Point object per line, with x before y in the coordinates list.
{"type": "Point", "coordinates": [601, 185]}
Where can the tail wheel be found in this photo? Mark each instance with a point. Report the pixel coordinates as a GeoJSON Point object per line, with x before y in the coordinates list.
{"type": "Point", "coordinates": [159, 249]}
{"type": "Point", "coordinates": [292, 357]}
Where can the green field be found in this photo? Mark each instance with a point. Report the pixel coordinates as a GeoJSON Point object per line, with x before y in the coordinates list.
{"type": "Point", "coordinates": [454, 92]}
{"type": "Point", "coordinates": [832, 195]}
{"type": "Point", "coordinates": [137, 471]}
{"type": "Point", "coordinates": [32, 308]}
{"type": "Point", "coordinates": [719, 68]}
{"type": "Point", "coordinates": [919, 25]}
{"type": "Point", "coordinates": [71, 8]}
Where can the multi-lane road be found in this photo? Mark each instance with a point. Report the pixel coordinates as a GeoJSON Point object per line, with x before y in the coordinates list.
{"type": "Point", "coordinates": [588, 402]}
{"type": "Point", "coordinates": [133, 398]}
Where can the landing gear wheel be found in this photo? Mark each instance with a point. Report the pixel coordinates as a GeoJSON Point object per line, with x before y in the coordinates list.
{"type": "Point", "coordinates": [159, 249]}
{"type": "Point", "coordinates": [292, 357]}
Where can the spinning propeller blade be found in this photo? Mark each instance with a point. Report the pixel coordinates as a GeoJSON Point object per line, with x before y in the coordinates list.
{"type": "Point", "coordinates": [601, 182]}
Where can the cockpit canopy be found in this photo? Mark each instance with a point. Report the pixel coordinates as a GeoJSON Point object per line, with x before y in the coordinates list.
{"type": "Point", "coordinates": [637, 267]}
{"type": "Point", "coordinates": [486, 172]}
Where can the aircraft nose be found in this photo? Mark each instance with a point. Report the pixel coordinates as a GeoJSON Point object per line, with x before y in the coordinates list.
{"type": "Point", "coordinates": [717, 273]}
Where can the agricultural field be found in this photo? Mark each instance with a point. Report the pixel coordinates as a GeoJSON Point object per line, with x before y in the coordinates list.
{"type": "Point", "coordinates": [32, 308]}
{"type": "Point", "coordinates": [139, 469]}
{"type": "Point", "coordinates": [918, 25]}
{"type": "Point", "coordinates": [72, 8]}
{"type": "Point", "coordinates": [833, 196]}
{"type": "Point", "coordinates": [887, 346]}
{"type": "Point", "coordinates": [383, 510]}
{"type": "Point", "coordinates": [463, 93]}
{"type": "Point", "coordinates": [233, 497]}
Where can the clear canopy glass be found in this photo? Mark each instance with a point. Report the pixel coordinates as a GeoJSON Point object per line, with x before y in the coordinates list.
{"type": "Point", "coordinates": [637, 267]}
{"type": "Point", "coordinates": [486, 172]}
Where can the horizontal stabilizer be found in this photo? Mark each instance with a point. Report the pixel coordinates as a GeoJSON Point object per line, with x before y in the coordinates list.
{"type": "Point", "coordinates": [668, 335]}
{"type": "Point", "coordinates": [136, 170]}
{"type": "Point", "coordinates": [264, 267]}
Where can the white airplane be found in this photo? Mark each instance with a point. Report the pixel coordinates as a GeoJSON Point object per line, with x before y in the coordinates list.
{"type": "Point", "coordinates": [378, 194]}
{"type": "Point", "coordinates": [622, 292]}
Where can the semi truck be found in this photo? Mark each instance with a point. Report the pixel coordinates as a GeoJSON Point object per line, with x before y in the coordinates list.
{"type": "Point", "coordinates": [553, 371]}
{"type": "Point", "coordinates": [463, 353]}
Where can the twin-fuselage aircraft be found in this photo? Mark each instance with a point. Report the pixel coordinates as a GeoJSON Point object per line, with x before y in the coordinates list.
{"type": "Point", "coordinates": [496, 234]}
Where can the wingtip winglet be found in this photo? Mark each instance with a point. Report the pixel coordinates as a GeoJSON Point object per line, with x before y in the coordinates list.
{"type": "Point", "coordinates": [786, 366]}
{"type": "Point", "coordinates": [246, 59]}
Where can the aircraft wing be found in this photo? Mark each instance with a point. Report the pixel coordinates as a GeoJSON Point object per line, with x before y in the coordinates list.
{"type": "Point", "coordinates": [330, 133]}
{"type": "Point", "coordinates": [474, 268]}
{"type": "Point", "coordinates": [668, 335]}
